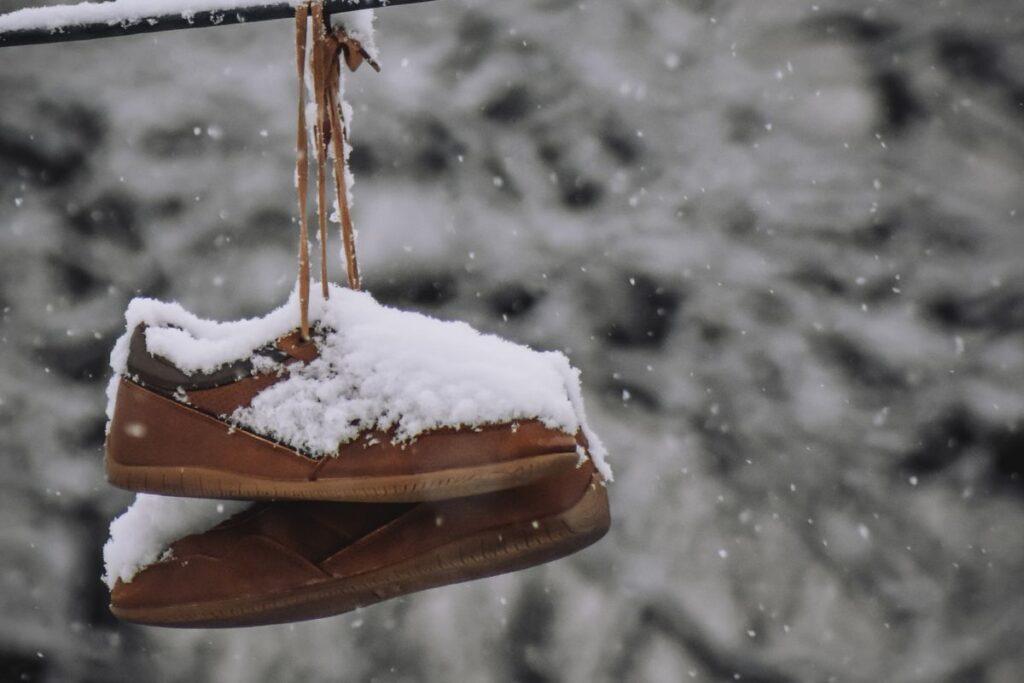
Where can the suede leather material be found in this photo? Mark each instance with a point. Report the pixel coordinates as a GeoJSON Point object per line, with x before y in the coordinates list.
{"type": "Point", "coordinates": [224, 400]}
{"type": "Point", "coordinates": [376, 455]}
{"type": "Point", "coordinates": [314, 530]}
{"type": "Point", "coordinates": [151, 430]}
{"type": "Point", "coordinates": [272, 548]}
{"type": "Point", "coordinates": [245, 565]}
{"type": "Point", "coordinates": [299, 349]}
{"type": "Point", "coordinates": [430, 525]}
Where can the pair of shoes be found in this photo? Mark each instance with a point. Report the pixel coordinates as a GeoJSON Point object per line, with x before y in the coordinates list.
{"type": "Point", "coordinates": [373, 452]}
{"type": "Point", "coordinates": [386, 454]}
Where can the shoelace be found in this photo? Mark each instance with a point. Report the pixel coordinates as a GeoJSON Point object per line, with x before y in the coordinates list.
{"type": "Point", "coordinates": [327, 47]}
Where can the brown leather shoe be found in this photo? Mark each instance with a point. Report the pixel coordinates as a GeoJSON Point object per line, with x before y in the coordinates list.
{"type": "Point", "coordinates": [282, 562]}
{"type": "Point", "coordinates": [172, 433]}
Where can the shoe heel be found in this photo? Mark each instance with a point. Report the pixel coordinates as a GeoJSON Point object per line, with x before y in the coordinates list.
{"type": "Point", "coordinates": [590, 515]}
{"type": "Point", "coordinates": [528, 544]}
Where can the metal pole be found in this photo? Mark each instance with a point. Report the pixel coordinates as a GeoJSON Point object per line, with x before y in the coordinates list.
{"type": "Point", "coordinates": [45, 30]}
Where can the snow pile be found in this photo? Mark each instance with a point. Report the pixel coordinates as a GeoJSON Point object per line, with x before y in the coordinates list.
{"type": "Point", "coordinates": [141, 535]}
{"type": "Point", "coordinates": [378, 369]}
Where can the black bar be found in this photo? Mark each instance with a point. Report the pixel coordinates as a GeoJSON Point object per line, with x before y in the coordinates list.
{"type": "Point", "coordinates": [173, 22]}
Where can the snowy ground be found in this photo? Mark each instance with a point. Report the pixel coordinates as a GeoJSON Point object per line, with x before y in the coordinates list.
{"type": "Point", "coordinates": [782, 240]}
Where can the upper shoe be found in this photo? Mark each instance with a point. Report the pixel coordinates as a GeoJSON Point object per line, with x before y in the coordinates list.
{"type": "Point", "coordinates": [379, 405]}
{"type": "Point", "coordinates": [276, 562]}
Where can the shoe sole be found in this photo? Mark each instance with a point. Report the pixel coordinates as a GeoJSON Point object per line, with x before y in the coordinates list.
{"type": "Point", "coordinates": [489, 552]}
{"type": "Point", "coordinates": [197, 482]}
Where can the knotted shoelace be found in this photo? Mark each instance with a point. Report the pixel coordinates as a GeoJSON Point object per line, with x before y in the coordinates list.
{"type": "Point", "coordinates": [329, 44]}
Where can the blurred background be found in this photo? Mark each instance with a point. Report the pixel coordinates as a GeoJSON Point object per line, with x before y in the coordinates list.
{"type": "Point", "coordinates": [783, 240]}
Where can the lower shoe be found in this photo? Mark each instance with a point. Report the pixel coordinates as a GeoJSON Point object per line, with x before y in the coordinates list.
{"type": "Point", "coordinates": [379, 405]}
{"type": "Point", "coordinates": [282, 562]}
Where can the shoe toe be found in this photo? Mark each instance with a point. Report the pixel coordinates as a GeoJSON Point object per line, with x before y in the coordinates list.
{"type": "Point", "coordinates": [171, 582]}
{"type": "Point", "coordinates": [247, 568]}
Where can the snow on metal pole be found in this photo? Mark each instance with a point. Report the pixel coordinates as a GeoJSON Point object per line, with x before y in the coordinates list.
{"type": "Point", "coordinates": [89, 20]}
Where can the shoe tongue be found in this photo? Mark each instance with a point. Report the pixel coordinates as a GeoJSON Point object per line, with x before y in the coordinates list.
{"type": "Point", "coordinates": [294, 346]}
